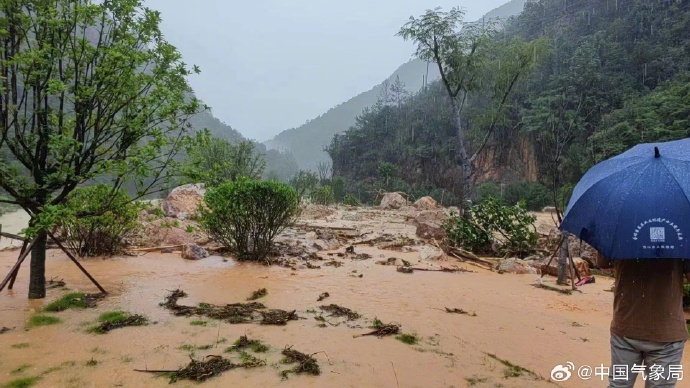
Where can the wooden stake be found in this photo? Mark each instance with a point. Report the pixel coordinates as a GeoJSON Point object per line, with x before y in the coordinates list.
{"type": "Point", "coordinates": [77, 263]}
{"type": "Point", "coordinates": [16, 272]}
{"type": "Point", "coordinates": [17, 264]}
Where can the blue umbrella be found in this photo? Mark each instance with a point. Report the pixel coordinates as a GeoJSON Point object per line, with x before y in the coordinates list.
{"type": "Point", "coordinates": [636, 204]}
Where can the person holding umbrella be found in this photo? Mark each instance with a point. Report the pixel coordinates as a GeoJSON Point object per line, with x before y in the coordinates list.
{"type": "Point", "coordinates": [635, 210]}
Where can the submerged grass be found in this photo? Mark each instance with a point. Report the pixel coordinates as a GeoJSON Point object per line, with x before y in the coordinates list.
{"type": "Point", "coordinates": [513, 370]}
{"type": "Point", "coordinates": [43, 320]}
{"type": "Point", "coordinates": [73, 300]}
{"type": "Point", "coordinates": [24, 382]}
{"type": "Point", "coordinates": [22, 345]}
{"type": "Point", "coordinates": [21, 369]}
{"type": "Point", "coordinates": [410, 339]}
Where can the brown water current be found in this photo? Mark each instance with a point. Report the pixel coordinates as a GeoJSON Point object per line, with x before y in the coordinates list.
{"type": "Point", "coordinates": [533, 328]}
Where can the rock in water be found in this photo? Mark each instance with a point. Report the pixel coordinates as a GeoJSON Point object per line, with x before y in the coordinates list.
{"type": "Point", "coordinates": [426, 203]}
{"type": "Point", "coordinates": [184, 200]}
{"type": "Point", "coordinates": [193, 252]}
{"type": "Point", "coordinates": [393, 201]}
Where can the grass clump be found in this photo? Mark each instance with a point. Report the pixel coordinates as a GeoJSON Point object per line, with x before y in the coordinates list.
{"type": "Point", "coordinates": [116, 319]}
{"type": "Point", "coordinates": [410, 339]}
{"type": "Point", "coordinates": [198, 323]}
{"type": "Point", "coordinates": [43, 320]}
{"type": "Point", "coordinates": [22, 345]}
{"type": "Point", "coordinates": [75, 300]}
{"type": "Point", "coordinates": [245, 343]}
{"type": "Point", "coordinates": [23, 382]}
{"type": "Point", "coordinates": [260, 293]}
{"type": "Point", "coordinates": [472, 381]}
{"type": "Point", "coordinates": [92, 362]}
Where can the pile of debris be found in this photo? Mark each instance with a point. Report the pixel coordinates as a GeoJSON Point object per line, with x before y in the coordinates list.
{"type": "Point", "coordinates": [231, 313]}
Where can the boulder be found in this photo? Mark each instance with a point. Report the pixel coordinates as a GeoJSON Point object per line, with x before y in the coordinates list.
{"type": "Point", "coordinates": [393, 201]}
{"type": "Point", "coordinates": [516, 266]}
{"type": "Point", "coordinates": [430, 230]}
{"type": "Point", "coordinates": [430, 253]}
{"type": "Point", "coordinates": [429, 224]}
{"type": "Point", "coordinates": [183, 200]}
{"type": "Point", "coordinates": [193, 252]}
{"type": "Point", "coordinates": [432, 216]}
{"type": "Point", "coordinates": [426, 203]}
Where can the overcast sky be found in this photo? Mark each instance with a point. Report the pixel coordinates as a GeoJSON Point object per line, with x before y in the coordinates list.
{"type": "Point", "coordinates": [269, 65]}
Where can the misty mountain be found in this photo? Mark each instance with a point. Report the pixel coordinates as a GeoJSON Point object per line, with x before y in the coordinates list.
{"type": "Point", "coordinates": [307, 142]}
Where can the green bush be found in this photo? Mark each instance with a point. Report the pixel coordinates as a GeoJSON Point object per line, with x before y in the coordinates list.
{"type": "Point", "coordinates": [247, 215]}
{"type": "Point", "coordinates": [351, 200]}
{"type": "Point", "coordinates": [488, 190]}
{"type": "Point", "coordinates": [96, 221]}
{"type": "Point", "coordinates": [535, 195]}
{"type": "Point", "coordinates": [323, 196]}
{"type": "Point", "coordinates": [489, 221]}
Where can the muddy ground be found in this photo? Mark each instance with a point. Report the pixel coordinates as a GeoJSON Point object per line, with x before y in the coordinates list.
{"type": "Point", "coordinates": [529, 328]}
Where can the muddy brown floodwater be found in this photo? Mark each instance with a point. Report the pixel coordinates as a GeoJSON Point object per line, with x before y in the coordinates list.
{"type": "Point", "coordinates": [532, 328]}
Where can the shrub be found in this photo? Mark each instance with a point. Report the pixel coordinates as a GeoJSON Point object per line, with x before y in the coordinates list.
{"type": "Point", "coordinates": [489, 221]}
{"type": "Point", "coordinates": [535, 195]}
{"type": "Point", "coordinates": [351, 200]}
{"type": "Point", "coordinates": [488, 190]}
{"type": "Point", "coordinates": [323, 196]}
{"type": "Point", "coordinates": [247, 215]}
{"type": "Point", "coordinates": [97, 221]}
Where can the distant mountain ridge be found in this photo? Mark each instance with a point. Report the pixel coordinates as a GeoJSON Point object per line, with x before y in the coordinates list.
{"type": "Point", "coordinates": [307, 141]}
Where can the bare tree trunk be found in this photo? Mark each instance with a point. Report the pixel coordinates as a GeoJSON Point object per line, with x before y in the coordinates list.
{"type": "Point", "coordinates": [37, 278]}
{"type": "Point", "coordinates": [563, 260]}
{"type": "Point", "coordinates": [463, 156]}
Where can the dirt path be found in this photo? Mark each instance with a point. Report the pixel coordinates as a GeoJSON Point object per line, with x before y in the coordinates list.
{"type": "Point", "coordinates": [533, 328]}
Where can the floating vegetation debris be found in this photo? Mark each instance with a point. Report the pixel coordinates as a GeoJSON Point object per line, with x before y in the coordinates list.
{"type": "Point", "coordinates": [333, 263]}
{"type": "Point", "coordinates": [117, 319]}
{"type": "Point", "coordinates": [245, 343]}
{"type": "Point", "coordinates": [405, 270]}
{"type": "Point", "coordinates": [339, 311]}
{"type": "Point", "coordinates": [232, 313]}
{"type": "Point", "coordinates": [323, 296]}
{"type": "Point", "coordinates": [307, 363]}
{"type": "Point", "coordinates": [260, 293]}
{"type": "Point", "coordinates": [52, 283]}
{"type": "Point", "coordinates": [382, 330]}
{"type": "Point", "coordinates": [278, 317]}
{"type": "Point", "coordinates": [460, 311]}
{"type": "Point", "coordinates": [203, 370]}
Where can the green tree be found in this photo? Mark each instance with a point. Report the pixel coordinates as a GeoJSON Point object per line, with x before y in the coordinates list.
{"type": "Point", "coordinates": [90, 89]}
{"type": "Point", "coordinates": [463, 54]}
{"type": "Point", "coordinates": [213, 161]}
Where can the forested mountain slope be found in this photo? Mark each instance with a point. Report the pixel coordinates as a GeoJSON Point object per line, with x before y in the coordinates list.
{"type": "Point", "coordinates": [308, 140]}
{"type": "Point", "coordinates": [616, 75]}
